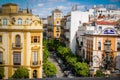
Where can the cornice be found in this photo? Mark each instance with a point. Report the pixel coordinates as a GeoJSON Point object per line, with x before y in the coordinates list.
{"type": "Point", "coordinates": [21, 30]}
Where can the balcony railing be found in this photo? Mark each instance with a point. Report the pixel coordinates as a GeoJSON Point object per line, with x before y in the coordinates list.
{"type": "Point", "coordinates": [17, 63]}
{"type": "Point", "coordinates": [17, 46]}
{"type": "Point", "coordinates": [35, 63]}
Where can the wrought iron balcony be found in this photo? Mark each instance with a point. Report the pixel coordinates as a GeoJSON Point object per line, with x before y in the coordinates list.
{"type": "Point", "coordinates": [17, 63]}
{"type": "Point", "coordinates": [35, 63]}
{"type": "Point", "coordinates": [17, 46]}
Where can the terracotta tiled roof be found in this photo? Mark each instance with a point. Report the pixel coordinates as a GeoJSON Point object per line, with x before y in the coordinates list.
{"type": "Point", "coordinates": [106, 23]}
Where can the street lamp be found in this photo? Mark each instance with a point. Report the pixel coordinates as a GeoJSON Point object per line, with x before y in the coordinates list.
{"type": "Point", "coordinates": [108, 58]}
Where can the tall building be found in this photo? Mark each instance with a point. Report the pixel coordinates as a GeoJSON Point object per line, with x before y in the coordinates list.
{"type": "Point", "coordinates": [56, 16]}
{"type": "Point", "coordinates": [49, 27]}
{"type": "Point", "coordinates": [99, 40]}
{"type": "Point", "coordinates": [73, 20]}
{"type": "Point", "coordinates": [21, 35]}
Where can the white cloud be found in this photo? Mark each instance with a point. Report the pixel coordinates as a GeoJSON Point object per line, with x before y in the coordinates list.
{"type": "Point", "coordinates": [40, 5]}
{"type": "Point", "coordinates": [111, 6]}
{"type": "Point", "coordinates": [34, 10]}
{"type": "Point", "coordinates": [81, 7]}
{"type": "Point", "coordinates": [50, 9]}
{"type": "Point", "coordinates": [62, 7]}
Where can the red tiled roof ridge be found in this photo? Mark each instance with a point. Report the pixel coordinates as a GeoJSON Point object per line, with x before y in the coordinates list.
{"type": "Point", "coordinates": [106, 22]}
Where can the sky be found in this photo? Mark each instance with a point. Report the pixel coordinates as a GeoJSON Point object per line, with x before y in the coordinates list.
{"type": "Point", "coordinates": [43, 8]}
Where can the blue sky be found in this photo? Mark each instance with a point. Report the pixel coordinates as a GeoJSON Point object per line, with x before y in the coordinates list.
{"type": "Point", "coordinates": [44, 8]}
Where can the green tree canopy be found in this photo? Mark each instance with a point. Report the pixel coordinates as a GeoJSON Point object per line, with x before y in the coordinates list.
{"type": "Point", "coordinates": [21, 72]}
{"type": "Point", "coordinates": [99, 73]}
{"type": "Point", "coordinates": [49, 69]}
{"type": "Point", "coordinates": [1, 72]}
{"type": "Point", "coordinates": [71, 60]}
{"type": "Point", "coordinates": [63, 51]}
{"type": "Point", "coordinates": [46, 54]}
{"type": "Point", "coordinates": [81, 69]}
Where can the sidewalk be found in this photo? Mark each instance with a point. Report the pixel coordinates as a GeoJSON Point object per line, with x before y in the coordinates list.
{"type": "Point", "coordinates": [59, 74]}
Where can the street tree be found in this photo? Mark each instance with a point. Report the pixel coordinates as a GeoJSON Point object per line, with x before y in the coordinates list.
{"type": "Point", "coordinates": [99, 73]}
{"type": "Point", "coordinates": [49, 69]}
{"type": "Point", "coordinates": [81, 69]}
{"type": "Point", "coordinates": [71, 60]}
{"type": "Point", "coordinates": [1, 72]}
{"type": "Point", "coordinates": [46, 54]}
{"type": "Point", "coordinates": [21, 72]}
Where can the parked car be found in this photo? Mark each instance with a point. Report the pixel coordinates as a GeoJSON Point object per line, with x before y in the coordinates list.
{"type": "Point", "coordinates": [70, 75]}
{"type": "Point", "coordinates": [63, 67]}
{"type": "Point", "coordinates": [66, 72]}
{"type": "Point", "coordinates": [59, 61]}
{"type": "Point", "coordinates": [54, 76]}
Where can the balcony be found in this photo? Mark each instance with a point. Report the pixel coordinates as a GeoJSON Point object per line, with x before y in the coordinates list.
{"type": "Point", "coordinates": [57, 30]}
{"type": "Point", "coordinates": [17, 46]}
{"type": "Point", "coordinates": [35, 63]}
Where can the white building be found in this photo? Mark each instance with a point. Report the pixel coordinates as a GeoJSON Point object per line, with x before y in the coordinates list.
{"type": "Point", "coordinates": [74, 19]}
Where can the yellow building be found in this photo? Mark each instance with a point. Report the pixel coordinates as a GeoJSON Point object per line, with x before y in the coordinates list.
{"type": "Point", "coordinates": [20, 41]}
{"type": "Point", "coordinates": [56, 17]}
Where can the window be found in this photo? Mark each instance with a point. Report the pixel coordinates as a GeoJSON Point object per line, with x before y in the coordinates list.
{"type": "Point", "coordinates": [58, 22]}
{"type": "Point", "coordinates": [35, 58]}
{"type": "Point", "coordinates": [19, 21]}
{"type": "Point", "coordinates": [100, 28]}
{"type": "Point", "coordinates": [118, 46]}
{"type": "Point", "coordinates": [1, 57]}
{"type": "Point", "coordinates": [27, 21]}
{"type": "Point", "coordinates": [5, 22]}
{"type": "Point", "coordinates": [0, 39]}
{"type": "Point", "coordinates": [35, 39]}
{"type": "Point", "coordinates": [17, 58]}
{"type": "Point", "coordinates": [57, 28]}
{"type": "Point", "coordinates": [35, 74]}
{"type": "Point", "coordinates": [17, 40]}
{"type": "Point", "coordinates": [57, 35]}
{"type": "Point", "coordinates": [99, 45]}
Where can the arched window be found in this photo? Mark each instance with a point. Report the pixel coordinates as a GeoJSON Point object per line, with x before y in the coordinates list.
{"type": "Point", "coordinates": [1, 57]}
{"type": "Point", "coordinates": [5, 21]}
{"type": "Point", "coordinates": [19, 21]}
{"type": "Point", "coordinates": [17, 40]}
{"type": "Point", "coordinates": [99, 45]}
{"type": "Point", "coordinates": [35, 74]}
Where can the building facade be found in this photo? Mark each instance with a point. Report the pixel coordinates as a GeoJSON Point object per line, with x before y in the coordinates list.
{"type": "Point", "coordinates": [73, 20]}
{"type": "Point", "coordinates": [56, 16]}
{"type": "Point", "coordinates": [92, 39]}
{"type": "Point", "coordinates": [21, 35]}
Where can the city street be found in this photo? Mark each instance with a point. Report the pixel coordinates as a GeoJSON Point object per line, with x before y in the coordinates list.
{"type": "Point", "coordinates": [52, 59]}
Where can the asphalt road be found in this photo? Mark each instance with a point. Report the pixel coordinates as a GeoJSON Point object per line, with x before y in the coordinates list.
{"type": "Point", "coordinates": [59, 74]}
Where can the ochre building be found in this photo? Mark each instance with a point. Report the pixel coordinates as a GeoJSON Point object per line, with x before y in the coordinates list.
{"type": "Point", "coordinates": [20, 41]}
